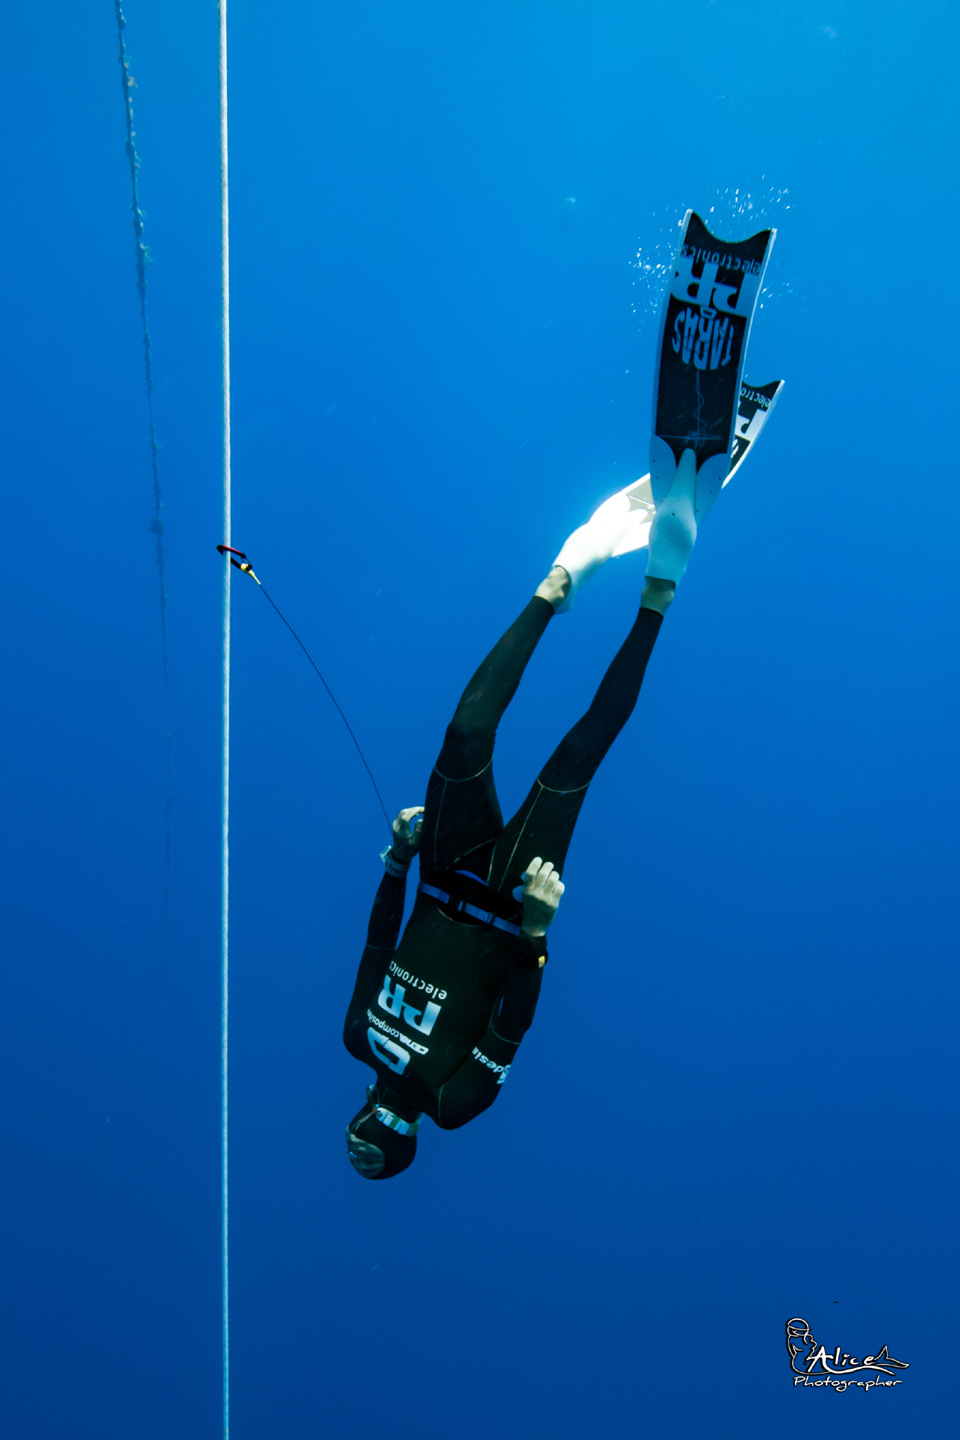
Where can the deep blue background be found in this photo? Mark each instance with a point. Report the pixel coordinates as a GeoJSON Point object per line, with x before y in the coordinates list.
{"type": "Point", "coordinates": [738, 1102]}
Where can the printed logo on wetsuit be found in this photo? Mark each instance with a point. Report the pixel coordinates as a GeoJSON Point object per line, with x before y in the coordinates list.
{"type": "Point", "coordinates": [388, 1052]}
{"type": "Point", "coordinates": [501, 1071]}
{"type": "Point", "coordinates": [393, 1056]}
{"type": "Point", "coordinates": [393, 1000]}
{"type": "Point", "coordinates": [414, 983]}
{"type": "Point", "coordinates": [821, 1368]}
{"type": "Point", "coordinates": [397, 1034]}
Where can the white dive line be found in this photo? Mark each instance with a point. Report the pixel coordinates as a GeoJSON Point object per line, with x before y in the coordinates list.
{"type": "Point", "coordinates": [225, 771]}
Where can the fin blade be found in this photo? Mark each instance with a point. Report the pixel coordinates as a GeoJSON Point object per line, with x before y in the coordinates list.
{"type": "Point", "coordinates": [754, 410]}
{"type": "Point", "coordinates": [704, 329]}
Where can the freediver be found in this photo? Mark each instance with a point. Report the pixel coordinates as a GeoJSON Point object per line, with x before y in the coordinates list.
{"type": "Point", "coordinates": [441, 1017]}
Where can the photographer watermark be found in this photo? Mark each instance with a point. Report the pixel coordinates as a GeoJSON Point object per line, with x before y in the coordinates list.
{"type": "Point", "coordinates": [836, 1369]}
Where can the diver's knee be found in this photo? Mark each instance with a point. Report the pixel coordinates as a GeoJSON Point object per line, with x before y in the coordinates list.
{"type": "Point", "coordinates": [467, 740]}
{"type": "Point", "coordinates": [462, 728]}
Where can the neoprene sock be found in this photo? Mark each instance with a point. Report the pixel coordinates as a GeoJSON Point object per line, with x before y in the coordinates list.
{"type": "Point", "coordinates": [592, 544]}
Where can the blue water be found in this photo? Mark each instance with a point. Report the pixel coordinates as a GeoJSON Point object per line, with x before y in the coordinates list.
{"type": "Point", "coordinates": [738, 1102]}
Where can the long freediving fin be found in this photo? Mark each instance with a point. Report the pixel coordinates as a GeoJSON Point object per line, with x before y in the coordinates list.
{"type": "Point", "coordinates": [753, 412]}
{"type": "Point", "coordinates": [756, 403]}
{"type": "Point", "coordinates": [704, 328]}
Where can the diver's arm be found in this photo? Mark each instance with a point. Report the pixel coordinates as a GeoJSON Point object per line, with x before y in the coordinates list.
{"type": "Point", "coordinates": [386, 917]}
{"type": "Point", "coordinates": [476, 1084]}
{"type": "Point", "coordinates": [474, 1087]}
{"type": "Point", "coordinates": [385, 921]}
{"type": "Point", "coordinates": [383, 930]}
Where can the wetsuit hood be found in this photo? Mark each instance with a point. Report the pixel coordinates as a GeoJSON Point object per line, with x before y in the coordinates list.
{"type": "Point", "coordinates": [375, 1150]}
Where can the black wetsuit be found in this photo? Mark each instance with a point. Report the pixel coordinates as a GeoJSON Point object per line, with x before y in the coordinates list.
{"type": "Point", "coordinates": [440, 1018]}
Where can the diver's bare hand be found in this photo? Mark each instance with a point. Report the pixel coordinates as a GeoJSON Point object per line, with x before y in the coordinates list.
{"type": "Point", "coordinates": [542, 888]}
{"type": "Point", "coordinates": [406, 833]}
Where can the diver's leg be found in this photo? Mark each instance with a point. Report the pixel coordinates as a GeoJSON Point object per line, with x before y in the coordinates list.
{"type": "Point", "coordinates": [461, 811]}
{"type": "Point", "coordinates": [468, 744]}
{"type": "Point", "coordinates": [545, 822]}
